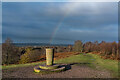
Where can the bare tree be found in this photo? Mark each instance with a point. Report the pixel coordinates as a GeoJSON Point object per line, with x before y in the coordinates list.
{"type": "Point", "coordinates": [10, 53]}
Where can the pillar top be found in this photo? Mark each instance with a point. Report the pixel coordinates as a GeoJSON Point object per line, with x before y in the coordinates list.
{"type": "Point", "coordinates": [49, 48]}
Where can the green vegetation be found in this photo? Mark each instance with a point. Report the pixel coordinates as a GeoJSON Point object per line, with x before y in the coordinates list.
{"type": "Point", "coordinates": [12, 54]}
{"type": "Point", "coordinates": [21, 65]}
{"type": "Point", "coordinates": [29, 56]}
{"type": "Point", "coordinates": [91, 60]}
{"type": "Point", "coordinates": [108, 64]}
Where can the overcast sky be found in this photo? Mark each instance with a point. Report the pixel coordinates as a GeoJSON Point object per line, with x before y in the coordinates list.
{"type": "Point", "coordinates": [61, 22]}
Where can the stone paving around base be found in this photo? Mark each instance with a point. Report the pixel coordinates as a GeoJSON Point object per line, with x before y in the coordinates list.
{"type": "Point", "coordinates": [74, 72]}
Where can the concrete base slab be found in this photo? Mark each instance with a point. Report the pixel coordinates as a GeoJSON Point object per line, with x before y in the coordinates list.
{"type": "Point", "coordinates": [44, 66]}
{"type": "Point", "coordinates": [60, 68]}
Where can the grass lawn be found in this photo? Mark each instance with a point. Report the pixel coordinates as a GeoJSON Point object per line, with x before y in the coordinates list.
{"type": "Point", "coordinates": [91, 60]}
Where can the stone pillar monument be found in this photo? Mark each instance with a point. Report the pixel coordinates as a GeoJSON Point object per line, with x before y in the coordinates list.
{"type": "Point", "coordinates": [49, 56]}
{"type": "Point", "coordinates": [49, 66]}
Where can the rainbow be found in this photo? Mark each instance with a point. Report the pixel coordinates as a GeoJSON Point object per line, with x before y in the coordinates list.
{"type": "Point", "coordinates": [57, 28]}
{"type": "Point", "coordinates": [60, 23]}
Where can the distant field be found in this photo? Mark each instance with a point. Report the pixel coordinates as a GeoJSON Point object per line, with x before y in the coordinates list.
{"type": "Point", "coordinates": [91, 60]}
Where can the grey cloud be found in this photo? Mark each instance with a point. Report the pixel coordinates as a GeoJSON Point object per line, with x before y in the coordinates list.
{"type": "Point", "coordinates": [37, 21]}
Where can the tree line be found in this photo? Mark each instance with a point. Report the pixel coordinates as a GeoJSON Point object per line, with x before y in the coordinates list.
{"type": "Point", "coordinates": [104, 49]}
{"type": "Point", "coordinates": [12, 54]}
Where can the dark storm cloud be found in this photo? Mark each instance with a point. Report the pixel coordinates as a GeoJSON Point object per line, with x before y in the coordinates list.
{"type": "Point", "coordinates": [38, 21]}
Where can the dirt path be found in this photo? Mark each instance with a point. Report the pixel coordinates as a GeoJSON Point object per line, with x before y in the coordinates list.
{"type": "Point", "coordinates": [74, 72]}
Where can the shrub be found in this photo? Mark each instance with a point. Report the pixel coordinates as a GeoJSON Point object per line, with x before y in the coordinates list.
{"type": "Point", "coordinates": [30, 56]}
{"type": "Point", "coordinates": [105, 49]}
{"type": "Point", "coordinates": [78, 46]}
{"type": "Point", "coordinates": [60, 49]}
{"type": "Point", "coordinates": [69, 48]}
{"type": "Point", "coordinates": [87, 47]}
